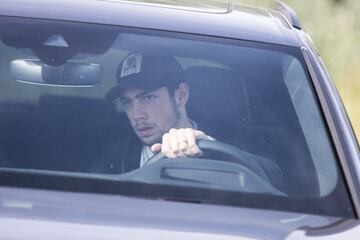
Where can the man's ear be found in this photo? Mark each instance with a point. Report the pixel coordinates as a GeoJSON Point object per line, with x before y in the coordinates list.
{"type": "Point", "coordinates": [182, 94]}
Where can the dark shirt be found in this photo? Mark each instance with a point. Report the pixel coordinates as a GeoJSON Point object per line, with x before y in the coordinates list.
{"type": "Point", "coordinates": [120, 157]}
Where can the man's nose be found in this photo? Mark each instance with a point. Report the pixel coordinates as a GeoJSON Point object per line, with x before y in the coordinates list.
{"type": "Point", "coordinates": [139, 112]}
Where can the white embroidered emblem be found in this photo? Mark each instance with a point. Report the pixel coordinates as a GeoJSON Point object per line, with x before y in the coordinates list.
{"type": "Point", "coordinates": [131, 65]}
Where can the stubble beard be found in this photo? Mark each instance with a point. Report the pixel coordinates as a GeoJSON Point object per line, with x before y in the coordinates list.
{"type": "Point", "coordinates": [175, 124]}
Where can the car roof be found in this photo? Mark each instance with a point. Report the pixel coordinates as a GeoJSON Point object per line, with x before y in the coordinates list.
{"type": "Point", "coordinates": [239, 22]}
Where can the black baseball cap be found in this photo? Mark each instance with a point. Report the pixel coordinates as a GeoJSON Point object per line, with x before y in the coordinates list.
{"type": "Point", "coordinates": [148, 71]}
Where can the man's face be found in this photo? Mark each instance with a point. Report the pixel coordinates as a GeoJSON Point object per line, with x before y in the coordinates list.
{"type": "Point", "coordinates": [151, 113]}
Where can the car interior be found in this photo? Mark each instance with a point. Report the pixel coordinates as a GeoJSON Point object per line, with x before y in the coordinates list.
{"type": "Point", "coordinates": [246, 103]}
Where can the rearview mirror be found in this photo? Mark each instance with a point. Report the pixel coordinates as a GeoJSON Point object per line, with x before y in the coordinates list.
{"type": "Point", "coordinates": [69, 74]}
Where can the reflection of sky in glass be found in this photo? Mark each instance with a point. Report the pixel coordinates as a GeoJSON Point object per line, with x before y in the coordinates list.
{"type": "Point", "coordinates": [26, 70]}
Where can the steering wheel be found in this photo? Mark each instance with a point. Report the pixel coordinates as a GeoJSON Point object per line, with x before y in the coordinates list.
{"type": "Point", "coordinates": [238, 156]}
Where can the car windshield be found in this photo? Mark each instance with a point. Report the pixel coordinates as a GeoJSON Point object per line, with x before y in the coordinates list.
{"type": "Point", "coordinates": [63, 113]}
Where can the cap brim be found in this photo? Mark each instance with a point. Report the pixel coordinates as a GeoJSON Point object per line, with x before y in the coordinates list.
{"type": "Point", "coordinates": [113, 94]}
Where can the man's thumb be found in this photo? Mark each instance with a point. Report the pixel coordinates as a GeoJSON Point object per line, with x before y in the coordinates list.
{"type": "Point", "coordinates": [155, 148]}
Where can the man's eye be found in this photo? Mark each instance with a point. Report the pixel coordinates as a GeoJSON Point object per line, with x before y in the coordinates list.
{"type": "Point", "coordinates": [126, 104]}
{"type": "Point", "coordinates": [148, 98]}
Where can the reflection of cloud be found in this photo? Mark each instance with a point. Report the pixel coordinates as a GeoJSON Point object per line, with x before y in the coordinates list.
{"type": "Point", "coordinates": [27, 70]}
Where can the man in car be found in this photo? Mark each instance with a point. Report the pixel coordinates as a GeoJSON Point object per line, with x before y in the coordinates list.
{"type": "Point", "coordinates": [154, 94]}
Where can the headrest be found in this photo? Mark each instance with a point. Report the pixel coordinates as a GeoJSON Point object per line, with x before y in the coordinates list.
{"type": "Point", "coordinates": [217, 94]}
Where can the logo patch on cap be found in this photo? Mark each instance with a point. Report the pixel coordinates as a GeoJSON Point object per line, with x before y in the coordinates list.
{"type": "Point", "coordinates": [131, 65]}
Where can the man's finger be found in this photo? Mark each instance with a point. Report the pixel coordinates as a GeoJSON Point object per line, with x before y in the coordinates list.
{"type": "Point", "coordinates": [177, 140]}
{"type": "Point", "coordinates": [173, 140]}
{"type": "Point", "coordinates": [182, 139]}
{"type": "Point", "coordinates": [192, 148]}
{"type": "Point", "coordinates": [166, 148]}
{"type": "Point", "coordinates": [155, 148]}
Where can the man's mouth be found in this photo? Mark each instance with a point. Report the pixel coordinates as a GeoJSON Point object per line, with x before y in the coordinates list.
{"type": "Point", "coordinates": [144, 131]}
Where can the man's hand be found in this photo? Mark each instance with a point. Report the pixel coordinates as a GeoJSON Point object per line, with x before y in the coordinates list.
{"type": "Point", "coordinates": [180, 143]}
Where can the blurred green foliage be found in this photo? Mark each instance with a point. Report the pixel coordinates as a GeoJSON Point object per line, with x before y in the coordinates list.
{"type": "Point", "coordinates": [334, 26]}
